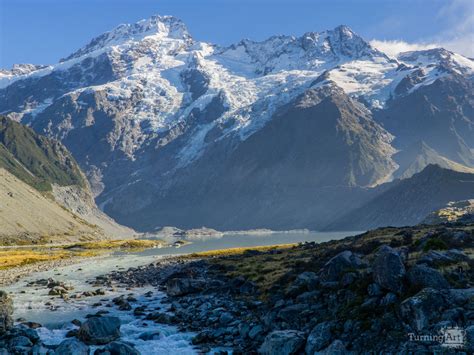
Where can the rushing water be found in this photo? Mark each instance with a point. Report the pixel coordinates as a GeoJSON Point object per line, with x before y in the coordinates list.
{"type": "Point", "coordinates": [31, 302]}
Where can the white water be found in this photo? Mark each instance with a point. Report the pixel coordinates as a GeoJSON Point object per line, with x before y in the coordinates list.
{"type": "Point", "coordinates": [30, 301]}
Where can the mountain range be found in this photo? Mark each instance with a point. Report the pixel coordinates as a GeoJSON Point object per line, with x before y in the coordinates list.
{"type": "Point", "coordinates": [290, 132]}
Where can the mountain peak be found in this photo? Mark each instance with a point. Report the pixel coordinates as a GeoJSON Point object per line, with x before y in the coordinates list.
{"type": "Point", "coordinates": [440, 57]}
{"type": "Point", "coordinates": [344, 41]}
{"type": "Point", "coordinates": [345, 31]}
{"type": "Point", "coordinates": [163, 26]}
{"type": "Point", "coordinates": [340, 42]}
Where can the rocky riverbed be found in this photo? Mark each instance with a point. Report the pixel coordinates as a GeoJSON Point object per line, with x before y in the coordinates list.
{"type": "Point", "coordinates": [377, 292]}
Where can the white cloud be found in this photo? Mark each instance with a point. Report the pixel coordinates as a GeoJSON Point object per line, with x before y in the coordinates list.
{"type": "Point", "coordinates": [392, 48]}
{"type": "Point", "coordinates": [457, 18]}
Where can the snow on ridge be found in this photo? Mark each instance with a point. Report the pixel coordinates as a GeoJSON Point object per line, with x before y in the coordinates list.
{"type": "Point", "coordinates": [254, 78]}
{"type": "Point", "coordinates": [160, 26]}
{"type": "Point", "coordinates": [438, 56]}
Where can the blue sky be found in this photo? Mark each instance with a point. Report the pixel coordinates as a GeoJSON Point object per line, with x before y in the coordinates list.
{"type": "Point", "coordinates": [43, 31]}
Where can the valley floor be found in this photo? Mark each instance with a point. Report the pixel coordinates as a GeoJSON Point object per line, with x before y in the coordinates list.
{"type": "Point", "coordinates": [353, 295]}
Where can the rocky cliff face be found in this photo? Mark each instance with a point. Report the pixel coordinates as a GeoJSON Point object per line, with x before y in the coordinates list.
{"type": "Point", "coordinates": [159, 120]}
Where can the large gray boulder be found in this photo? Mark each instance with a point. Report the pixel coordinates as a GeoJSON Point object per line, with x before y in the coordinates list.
{"type": "Point", "coordinates": [423, 309]}
{"type": "Point", "coordinates": [282, 342]}
{"type": "Point", "coordinates": [339, 264]}
{"type": "Point", "coordinates": [388, 269]}
{"type": "Point", "coordinates": [183, 286]}
{"type": "Point", "coordinates": [6, 312]}
{"type": "Point", "coordinates": [99, 330]}
{"type": "Point", "coordinates": [319, 338]}
{"type": "Point", "coordinates": [72, 347]}
{"type": "Point", "coordinates": [424, 276]}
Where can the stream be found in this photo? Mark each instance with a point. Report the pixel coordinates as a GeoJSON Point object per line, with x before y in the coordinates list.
{"type": "Point", "coordinates": [55, 314]}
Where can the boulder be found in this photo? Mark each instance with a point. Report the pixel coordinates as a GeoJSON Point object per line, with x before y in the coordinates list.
{"type": "Point", "coordinates": [117, 348]}
{"type": "Point", "coordinates": [72, 347]}
{"type": "Point", "coordinates": [388, 269]}
{"type": "Point", "coordinates": [225, 318]}
{"type": "Point", "coordinates": [339, 264]}
{"type": "Point", "coordinates": [291, 313]}
{"type": "Point", "coordinates": [435, 258]}
{"type": "Point", "coordinates": [20, 341]}
{"type": "Point", "coordinates": [424, 276]}
{"type": "Point", "coordinates": [160, 317]}
{"type": "Point", "coordinates": [282, 342]}
{"type": "Point", "coordinates": [40, 349]}
{"type": "Point", "coordinates": [319, 338]}
{"type": "Point", "coordinates": [6, 312]}
{"type": "Point", "coordinates": [57, 291]}
{"type": "Point", "coordinates": [255, 331]}
{"type": "Point", "coordinates": [150, 336]}
{"type": "Point", "coordinates": [336, 348]}
{"type": "Point", "coordinates": [307, 280]}
{"type": "Point", "coordinates": [99, 330]}
{"type": "Point", "coordinates": [422, 309]}
{"type": "Point", "coordinates": [462, 296]}
{"type": "Point", "coordinates": [183, 286]}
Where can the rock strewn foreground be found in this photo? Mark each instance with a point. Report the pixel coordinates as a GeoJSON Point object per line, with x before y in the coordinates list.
{"type": "Point", "coordinates": [360, 294]}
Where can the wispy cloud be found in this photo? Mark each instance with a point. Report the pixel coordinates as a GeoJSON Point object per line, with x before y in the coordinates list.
{"type": "Point", "coordinates": [457, 16]}
{"type": "Point", "coordinates": [393, 48]}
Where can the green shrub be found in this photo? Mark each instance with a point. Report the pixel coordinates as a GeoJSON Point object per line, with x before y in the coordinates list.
{"type": "Point", "coordinates": [435, 244]}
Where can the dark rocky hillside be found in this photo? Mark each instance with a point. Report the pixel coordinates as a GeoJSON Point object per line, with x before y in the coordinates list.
{"type": "Point", "coordinates": [409, 201]}
{"type": "Point", "coordinates": [36, 160]}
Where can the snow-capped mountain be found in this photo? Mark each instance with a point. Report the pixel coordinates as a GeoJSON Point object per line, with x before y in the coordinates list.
{"type": "Point", "coordinates": [153, 116]}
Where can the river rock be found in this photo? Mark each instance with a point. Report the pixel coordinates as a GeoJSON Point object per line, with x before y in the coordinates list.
{"type": "Point", "coordinates": [319, 337]}
{"type": "Point", "coordinates": [6, 312]}
{"type": "Point", "coordinates": [117, 348]}
{"type": "Point", "coordinates": [282, 342]}
{"type": "Point", "coordinates": [99, 330]}
{"type": "Point", "coordinates": [72, 347]}
{"type": "Point", "coordinates": [20, 341]}
{"type": "Point", "coordinates": [149, 336]}
{"type": "Point", "coordinates": [57, 291]}
{"type": "Point", "coordinates": [388, 269]}
{"type": "Point", "coordinates": [424, 276]}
